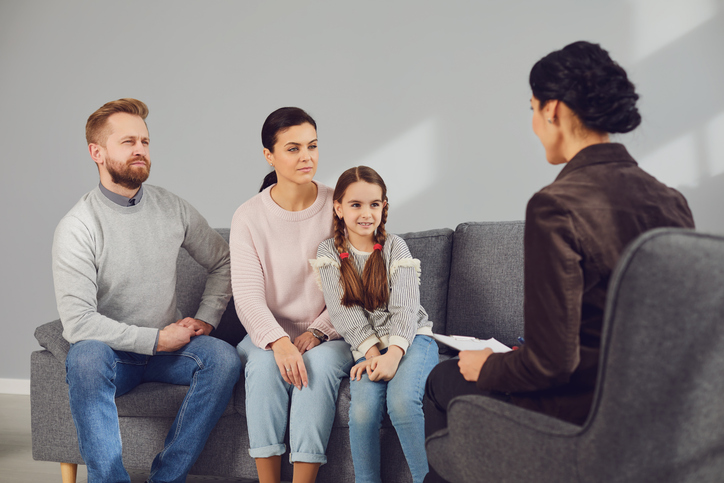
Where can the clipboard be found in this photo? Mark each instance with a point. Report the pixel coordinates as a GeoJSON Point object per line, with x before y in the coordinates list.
{"type": "Point", "coordinates": [465, 343]}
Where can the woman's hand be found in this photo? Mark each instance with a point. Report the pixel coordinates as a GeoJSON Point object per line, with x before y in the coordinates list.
{"type": "Point", "coordinates": [471, 362]}
{"type": "Point", "coordinates": [384, 367]}
{"type": "Point", "coordinates": [290, 362]}
{"type": "Point", "coordinates": [305, 342]}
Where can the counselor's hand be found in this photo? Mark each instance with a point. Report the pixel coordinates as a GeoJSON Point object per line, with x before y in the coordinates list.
{"type": "Point", "coordinates": [471, 362]}
{"type": "Point", "coordinates": [290, 362]}
{"type": "Point", "coordinates": [305, 342]}
{"type": "Point", "coordinates": [198, 326]}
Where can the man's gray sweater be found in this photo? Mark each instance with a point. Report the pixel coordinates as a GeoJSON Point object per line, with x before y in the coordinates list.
{"type": "Point", "coordinates": [114, 268]}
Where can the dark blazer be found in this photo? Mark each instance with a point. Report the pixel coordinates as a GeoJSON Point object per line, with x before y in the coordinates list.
{"type": "Point", "coordinates": [576, 229]}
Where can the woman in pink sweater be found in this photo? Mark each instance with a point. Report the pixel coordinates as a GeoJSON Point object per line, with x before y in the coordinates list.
{"type": "Point", "coordinates": [292, 354]}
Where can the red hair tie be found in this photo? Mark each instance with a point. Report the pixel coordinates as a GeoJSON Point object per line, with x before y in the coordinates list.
{"type": "Point", "coordinates": [378, 247]}
{"type": "Point", "coordinates": [344, 255]}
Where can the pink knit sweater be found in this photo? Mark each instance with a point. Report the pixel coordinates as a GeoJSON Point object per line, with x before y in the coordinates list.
{"type": "Point", "coordinates": [275, 289]}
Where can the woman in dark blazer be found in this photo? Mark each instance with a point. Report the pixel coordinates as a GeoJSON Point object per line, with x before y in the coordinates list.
{"type": "Point", "coordinates": [576, 229]}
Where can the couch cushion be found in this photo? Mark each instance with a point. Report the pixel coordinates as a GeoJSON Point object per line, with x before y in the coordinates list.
{"type": "Point", "coordinates": [433, 248]}
{"type": "Point", "coordinates": [486, 281]}
{"type": "Point", "coordinates": [50, 337]}
{"type": "Point", "coordinates": [158, 400]}
{"type": "Point", "coordinates": [190, 284]}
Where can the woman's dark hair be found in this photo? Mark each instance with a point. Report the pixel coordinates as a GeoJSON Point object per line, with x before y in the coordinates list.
{"type": "Point", "coordinates": [279, 121]}
{"type": "Point", "coordinates": [371, 290]}
{"type": "Point", "coordinates": [594, 87]}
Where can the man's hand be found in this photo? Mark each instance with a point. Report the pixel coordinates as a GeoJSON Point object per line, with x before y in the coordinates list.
{"type": "Point", "coordinates": [198, 326]}
{"type": "Point", "coordinates": [305, 342]}
{"type": "Point", "coordinates": [471, 362]}
{"type": "Point", "coordinates": [290, 362]}
{"type": "Point", "coordinates": [173, 337]}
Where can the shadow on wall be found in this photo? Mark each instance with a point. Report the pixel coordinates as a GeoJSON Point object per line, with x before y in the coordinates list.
{"type": "Point", "coordinates": [705, 201]}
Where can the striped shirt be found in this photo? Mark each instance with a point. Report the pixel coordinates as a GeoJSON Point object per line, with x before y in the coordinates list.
{"type": "Point", "coordinates": [398, 322]}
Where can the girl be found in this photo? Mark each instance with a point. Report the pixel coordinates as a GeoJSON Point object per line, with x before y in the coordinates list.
{"type": "Point", "coordinates": [370, 284]}
{"type": "Point", "coordinates": [292, 354]}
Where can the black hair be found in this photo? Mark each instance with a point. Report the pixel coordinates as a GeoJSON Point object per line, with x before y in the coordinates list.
{"type": "Point", "coordinates": [279, 121]}
{"type": "Point", "coordinates": [591, 84]}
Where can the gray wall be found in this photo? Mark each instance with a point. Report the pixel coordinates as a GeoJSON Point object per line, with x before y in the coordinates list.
{"type": "Point", "coordinates": [432, 94]}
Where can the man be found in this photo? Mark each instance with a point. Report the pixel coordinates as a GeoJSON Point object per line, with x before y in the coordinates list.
{"type": "Point", "coordinates": [114, 269]}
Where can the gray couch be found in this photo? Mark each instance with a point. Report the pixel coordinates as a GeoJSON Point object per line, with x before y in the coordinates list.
{"type": "Point", "coordinates": [472, 284]}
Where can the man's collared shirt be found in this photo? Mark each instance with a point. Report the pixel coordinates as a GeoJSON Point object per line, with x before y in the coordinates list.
{"type": "Point", "coordinates": [120, 199]}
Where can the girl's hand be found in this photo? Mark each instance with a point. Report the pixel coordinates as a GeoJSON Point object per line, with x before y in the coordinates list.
{"type": "Point", "coordinates": [305, 342]}
{"type": "Point", "coordinates": [290, 362]}
{"type": "Point", "coordinates": [471, 362]}
{"type": "Point", "coordinates": [372, 352]}
{"type": "Point", "coordinates": [356, 372]}
{"type": "Point", "coordinates": [385, 366]}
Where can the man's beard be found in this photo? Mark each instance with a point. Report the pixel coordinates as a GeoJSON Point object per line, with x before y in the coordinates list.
{"type": "Point", "coordinates": [130, 177]}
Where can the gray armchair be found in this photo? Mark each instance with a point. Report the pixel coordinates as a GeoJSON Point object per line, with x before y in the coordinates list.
{"type": "Point", "coordinates": [658, 413]}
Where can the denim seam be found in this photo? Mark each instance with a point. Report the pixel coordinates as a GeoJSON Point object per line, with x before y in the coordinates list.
{"type": "Point", "coordinates": [182, 411]}
{"type": "Point", "coordinates": [421, 387]}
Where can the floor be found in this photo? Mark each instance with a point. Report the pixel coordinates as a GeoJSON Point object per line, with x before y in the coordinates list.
{"type": "Point", "coordinates": [16, 458]}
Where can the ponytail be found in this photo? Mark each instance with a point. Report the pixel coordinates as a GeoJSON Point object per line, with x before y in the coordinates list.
{"type": "Point", "coordinates": [352, 291]}
{"type": "Point", "coordinates": [374, 275]}
{"type": "Point", "coordinates": [269, 180]}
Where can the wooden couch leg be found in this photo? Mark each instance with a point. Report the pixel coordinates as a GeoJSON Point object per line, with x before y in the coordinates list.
{"type": "Point", "coordinates": [68, 471]}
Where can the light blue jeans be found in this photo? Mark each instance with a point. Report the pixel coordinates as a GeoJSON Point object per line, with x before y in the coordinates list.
{"type": "Point", "coordinates": [401, 397]}
{"type": "Point", "coordinates": [313, 407]}
{"type": "Point", "coordinates": [97, 374]}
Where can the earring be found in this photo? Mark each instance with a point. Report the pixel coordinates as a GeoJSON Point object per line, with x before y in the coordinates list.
{"type": "Point", "coordinates": [549, 121]}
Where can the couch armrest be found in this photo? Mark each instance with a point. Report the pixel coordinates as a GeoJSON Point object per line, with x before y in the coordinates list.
{"type": "Point", "coordinates": [50, 337]}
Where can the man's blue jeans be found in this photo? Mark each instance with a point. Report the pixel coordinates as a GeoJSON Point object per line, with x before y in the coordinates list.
{"type": "Point", "coordinates": [401, 398]}
{"type": "Point", "coordinates": [97, 374]}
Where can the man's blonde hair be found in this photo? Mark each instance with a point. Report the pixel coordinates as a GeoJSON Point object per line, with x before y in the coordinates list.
{"type": "Point", "coordinates": [97, 130]}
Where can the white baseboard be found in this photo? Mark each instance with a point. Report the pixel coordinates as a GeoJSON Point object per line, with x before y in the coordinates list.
{"type": "Point", "coordinates": [15, 386]}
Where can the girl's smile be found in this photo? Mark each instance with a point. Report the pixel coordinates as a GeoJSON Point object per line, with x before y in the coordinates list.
{"type": "Point", "coordinates": [361, 210]}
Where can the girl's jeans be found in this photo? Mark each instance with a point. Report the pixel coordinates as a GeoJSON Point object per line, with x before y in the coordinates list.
{"type": "Point", "coordinates": [401, 397]}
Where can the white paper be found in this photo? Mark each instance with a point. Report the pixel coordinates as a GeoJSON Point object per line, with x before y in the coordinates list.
{"type": "Point", "coordinates": [464, 343]}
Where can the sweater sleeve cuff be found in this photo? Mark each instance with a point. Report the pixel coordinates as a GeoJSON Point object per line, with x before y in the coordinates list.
{"type": "Point", "coordinates": [324, 323]}
{"type": "Point", "coordinates": [209, 315]}
{"type": "Point", "coordinates": [271, 336]}
{"type": "Point", "coordinates": [368, 343]}
{"type": "Point", "coordinates": [155, 345]}
{"type": "Point", "coordinates": [486, 378]}
{"type": "Point", "coordinates": [400, 342]}
{"type": "Point", "coordinates": [146, 341]}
